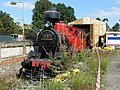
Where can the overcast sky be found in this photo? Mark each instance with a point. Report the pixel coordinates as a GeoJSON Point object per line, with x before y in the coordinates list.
{"type": "Point", "coordinates": [83, 8]}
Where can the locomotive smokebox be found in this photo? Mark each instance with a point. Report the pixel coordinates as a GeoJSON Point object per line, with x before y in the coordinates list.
{"type": "Point", "coordinates": [52, 15]}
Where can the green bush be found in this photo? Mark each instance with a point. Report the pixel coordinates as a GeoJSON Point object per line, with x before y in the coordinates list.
{"type": "Point", "coordinates": [6, 85]}
{"type": "Point", "coordinates": [54, 85]}
{"type": "Point", "coordinates": [87, 78]}
{"type": "Point", "coordinates": [104, 64]}
{"type": "Point", "coordinates": [83, 81]}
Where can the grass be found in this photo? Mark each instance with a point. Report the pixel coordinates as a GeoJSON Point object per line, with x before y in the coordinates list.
{"type": "Point", "coordinates": [82, 81]}
{"type": "Point", "coordinates": [6, 84]}
{"type": "Point", "coordinates": [105, 64]}
{"type": "Point", "coordinates": [118, 65]}
{"type": "Point", "coordinates": [85, 80]}
{"type": "Point", "coordinates": [54, 85]}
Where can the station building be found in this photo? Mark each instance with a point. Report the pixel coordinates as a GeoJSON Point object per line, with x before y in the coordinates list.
{"type": "Point", "coordinates": [95, 30]}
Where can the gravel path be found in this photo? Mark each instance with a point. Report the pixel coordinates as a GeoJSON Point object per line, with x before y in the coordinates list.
{"type": "Point", "coordinates": [112, 79]}
{"type": "Point", "coordinates": [8, 72]}
{"type": "Point", "coordinates": [13, 68]}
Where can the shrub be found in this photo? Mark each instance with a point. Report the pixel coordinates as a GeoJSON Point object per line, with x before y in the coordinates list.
{"type": "Point", "coordinates": [83, 81]}
{"type": "Point", "coordinates": [6, 84]}
{"type": "Point", "coordinates": [54, 85]}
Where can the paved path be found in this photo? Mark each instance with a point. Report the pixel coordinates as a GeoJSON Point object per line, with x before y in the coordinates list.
{"type": "Point", "coordinates": [112, 79]}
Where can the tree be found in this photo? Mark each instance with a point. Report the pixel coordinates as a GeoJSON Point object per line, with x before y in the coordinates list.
{"type": "Point", "coordinates": [70, 14]}
{"type": "Point", "coordinates": [7, 24]}
{"type": "Point", "coordinates": [115, 27]}
{"type": "Point", "coordinates": [98, 19]}
{"type": "Point", "coordinates": [67, 13]}
{"type": "Point", "coordinates": [62, 9]}
{"type": "Point", "coordinates": [40, 7]}
{"type": "Point", "coordinates": [105, 20]}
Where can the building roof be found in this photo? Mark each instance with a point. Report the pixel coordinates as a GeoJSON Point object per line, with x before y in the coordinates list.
{"type": "Point", "coordinates": [86, 20]}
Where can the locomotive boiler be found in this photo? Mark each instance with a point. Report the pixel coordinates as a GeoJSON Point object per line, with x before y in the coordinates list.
{"type": "Point", "coordinates": [48, 42]}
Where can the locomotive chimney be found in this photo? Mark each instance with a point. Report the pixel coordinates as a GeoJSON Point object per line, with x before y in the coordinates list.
{"type": "Point", "coordinates": [52, 15]}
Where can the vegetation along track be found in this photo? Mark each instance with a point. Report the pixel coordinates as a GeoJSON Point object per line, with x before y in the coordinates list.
{"type": "Point", "coordinates": [86, 62]}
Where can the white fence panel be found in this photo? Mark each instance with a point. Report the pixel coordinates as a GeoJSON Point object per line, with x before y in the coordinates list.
{"type": "Point", "coordinates": [9, 52]}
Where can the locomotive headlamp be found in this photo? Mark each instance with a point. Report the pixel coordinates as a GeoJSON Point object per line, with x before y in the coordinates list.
{"type": "Point", "coordinates": [48, 24]}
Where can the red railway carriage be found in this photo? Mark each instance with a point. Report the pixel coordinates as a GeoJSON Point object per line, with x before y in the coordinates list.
{"type": "Point", "coordinates": [73, 34]}
{"type": "Point", "coordinates": [61, 27]}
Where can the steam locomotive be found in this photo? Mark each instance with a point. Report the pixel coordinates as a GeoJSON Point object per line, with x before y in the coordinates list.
{"type": "Point", "coordinates": [48, 42]}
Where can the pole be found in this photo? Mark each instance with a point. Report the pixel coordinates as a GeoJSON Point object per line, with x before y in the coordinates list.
{"type": "Point", "coordinates": [14, 3]}
{"type": "Point", "coordinates": [23, 22]}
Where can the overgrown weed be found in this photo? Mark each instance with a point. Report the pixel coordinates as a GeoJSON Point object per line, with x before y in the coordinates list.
{"type": "Point", "coordinates": [85, 80]}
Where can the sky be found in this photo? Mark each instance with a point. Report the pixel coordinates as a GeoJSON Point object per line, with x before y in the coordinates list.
{"type": "Point", "coordinates": [83, 8]}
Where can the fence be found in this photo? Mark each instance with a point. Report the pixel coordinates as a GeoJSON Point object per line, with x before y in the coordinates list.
{"type": "Point", "coordinates": [8, 50]}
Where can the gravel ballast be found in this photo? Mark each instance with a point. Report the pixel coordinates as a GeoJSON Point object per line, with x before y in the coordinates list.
{"type": "Point", "coordinates": [112, 77]}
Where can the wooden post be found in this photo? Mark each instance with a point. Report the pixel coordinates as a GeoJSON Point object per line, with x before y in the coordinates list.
{"type": "Point", "coordinates": [24, 49]}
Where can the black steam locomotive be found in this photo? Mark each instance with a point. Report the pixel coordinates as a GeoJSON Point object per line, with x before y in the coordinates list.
{"type": "Point", "coordinates": [47, 43]}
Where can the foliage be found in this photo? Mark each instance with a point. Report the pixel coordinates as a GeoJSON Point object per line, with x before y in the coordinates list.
{"type": "Point", "coordinates": [87, 78]}
{"type": "Point", "coordinates": [40, 7]}
{"type": "Point", "coordinates": [105, 19]}
{"type": "Point", "coordinates": [98, 19]}
{"type": "Point", "coordinates": [53, 85]}
{"type": "Point", "coordinates": [104, 65]}
{"type": "Point", "coordinates": [118, 65]}
{"type": "Point", "coordinates": [104, 61]}
{"type": "Point", "coordinates": [82, 81]}
{"type": "Point", "coordinates": [6, 84]}
{"type": "Point", "coordinates": [64, 55]}
{"type": "Point", "coordinates": [115, 27]}
{"type": "Point", "coordinates": [82, 55]}
{"type": "Point", "coordinates": [67, 13]}
{"type": "Point", "coordinates": [7, 26]}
